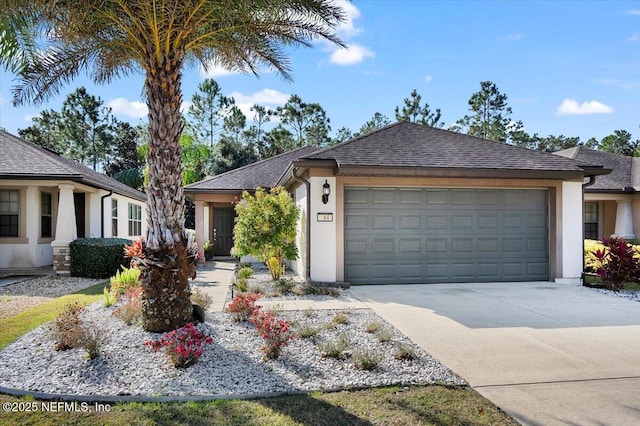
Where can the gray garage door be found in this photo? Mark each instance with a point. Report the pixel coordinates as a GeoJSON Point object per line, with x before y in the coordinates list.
{"type": "Point", "coordinates": [424, 235]}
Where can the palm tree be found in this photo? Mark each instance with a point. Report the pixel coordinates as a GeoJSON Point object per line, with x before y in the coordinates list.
{"type": "Point", "coordinates": [110, 38]}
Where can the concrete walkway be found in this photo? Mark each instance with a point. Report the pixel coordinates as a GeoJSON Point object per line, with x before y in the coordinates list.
{"type": "Point", "coordinates": [215, 278]}
{"type": "Point", "coordinates": [547, 354]}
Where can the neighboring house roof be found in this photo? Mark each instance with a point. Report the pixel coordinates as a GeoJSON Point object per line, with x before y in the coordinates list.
{"type": "Point", "coordinates": [263, 174]}
{"type": "Point", "coordinates": [410, 145]}
{"type": "Point", "coordinates": [22, 159]}
{"type": "Point", "coordinates": [625, 171]}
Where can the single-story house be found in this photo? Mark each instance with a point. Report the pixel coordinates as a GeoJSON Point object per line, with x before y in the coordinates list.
{"type": "Point", "coordinates": [413, 204]}
{"type": "Point", "coordinates": [612, 202]}
{"type": "Point", "coordinates": [47, 201]}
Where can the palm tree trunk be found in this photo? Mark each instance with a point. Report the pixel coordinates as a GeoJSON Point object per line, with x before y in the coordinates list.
{"type": "Point", "coordinates": [167, 267]}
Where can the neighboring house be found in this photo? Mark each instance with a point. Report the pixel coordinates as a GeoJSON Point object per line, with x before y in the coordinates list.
{"type": "Point", "coordinates": [414, 204]}
{"type": "Point", "coordinates": [47, 201]}
{"type": "Point", "coordinates": [612, 203]}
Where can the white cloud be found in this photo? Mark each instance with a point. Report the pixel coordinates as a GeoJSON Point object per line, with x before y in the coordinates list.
{"type": "Point", "coordinates": [348, 28]}
{"type": "Point", "coordinates": [511, 37]}
{"type": "Point", "coordinates": [347, 31]}
{"type": "Point", "coordinates": [635, 12]}
{"type": "Point", "coordinates": [28, 118]}
{"type": "Point", "coordinates": [214, 71]}
{"type": "Point", "coordinates": [614, 83]}
{"type": "Point", "coordinates": [428, 78]}
{"type": "Point", "coordinates": [267, 97]}
{"type": "Point", "coordinates": [634, 37]}
{"type": "Point", "coordinates": [184, 106]}
{"type": "Point", "coordinates": [353, 54]}
{"type": "Point", "coordinates": [571, 107]}
{"type": "Point", "coordinates": [124, 106]}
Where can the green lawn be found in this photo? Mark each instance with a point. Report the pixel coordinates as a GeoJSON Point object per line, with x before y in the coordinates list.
{"type": "Point", "coordinates": [416, 405]}
{"type": "Point", "coordinates": [13, 327]}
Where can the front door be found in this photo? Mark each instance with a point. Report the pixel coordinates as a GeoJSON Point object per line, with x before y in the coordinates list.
{"type": "Point", "coordinates": [223, 221]}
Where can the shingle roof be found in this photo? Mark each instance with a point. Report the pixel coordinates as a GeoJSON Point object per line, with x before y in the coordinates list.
{"type": "Point", "coordinates": [22, 159]}
{"type": "Point", "coordinates": [263, 173]}
{"type": "Point", "coordinates": [406, 144]}
{"type": "Point", "coordinates": [625, 171]}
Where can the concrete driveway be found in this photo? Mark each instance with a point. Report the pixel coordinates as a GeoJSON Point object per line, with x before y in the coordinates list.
{"type": "Point", "coordinates": [545, 353]}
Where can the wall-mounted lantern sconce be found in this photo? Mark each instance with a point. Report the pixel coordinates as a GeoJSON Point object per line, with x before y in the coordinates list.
{"type": "Point", "coordinates": [326, 190]}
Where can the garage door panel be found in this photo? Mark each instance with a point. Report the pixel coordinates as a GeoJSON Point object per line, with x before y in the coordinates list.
{"type": "Point", "coordinates": [436, 196]}
{"type": "Point", "coordinates": [357, 221]}
{"type": "Point", "coordinates": [488, 245]}
{"type": "Point", "coordinates": [462, 245]}
{"type": "Point", "coordinates": [437, 271]}
{"type": "Point", "coordinates": [408, 246]}
{"type": "Point", "coordinates": [383, 246]}
{"type": "Point", "coordinates": [436, 222]}
{"type": "Point", "coordinates": [410, 222]}
{"type": "Point", "coordinates": [437, 245]}
{"type": "Point", "coordinates": [411, 235]}
{"type": "Point", "coordinates": [411, 196]}
{"type": "Point", "coordinates": [356, 195]}
{"type": "Point", "coordinates": [383, 196]}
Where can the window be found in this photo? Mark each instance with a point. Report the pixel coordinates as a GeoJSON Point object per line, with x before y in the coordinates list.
{"type": "Point", "coordinates": [591, 221]}
{"type": "Point", "coordinates": [9, 212]}
{"type": "Point", "coordinates": [135, 219]}
{"type": "Point", "coordinates": [45, 215]}
{"type": "Point", "coordinates": [114, 218]}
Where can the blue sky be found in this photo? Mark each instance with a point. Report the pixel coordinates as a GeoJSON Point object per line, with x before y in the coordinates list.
{"type": "Point", "coordinates": [569, 68]}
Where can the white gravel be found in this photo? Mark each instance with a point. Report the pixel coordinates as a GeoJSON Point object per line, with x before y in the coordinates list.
{"type": "Point", "coordinates": [631, 295]}
{"type": "Point", "coordinates": [232, 365]}
{"type": "Point", "coordinates": [49, 286]}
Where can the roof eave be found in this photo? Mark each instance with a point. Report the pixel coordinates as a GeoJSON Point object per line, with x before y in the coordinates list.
{"type": "Point", "coordinates": [354, 170]}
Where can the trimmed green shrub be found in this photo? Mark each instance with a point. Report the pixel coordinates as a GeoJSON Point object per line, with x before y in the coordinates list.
{"type": "Point", "coordinates": [97, 257]}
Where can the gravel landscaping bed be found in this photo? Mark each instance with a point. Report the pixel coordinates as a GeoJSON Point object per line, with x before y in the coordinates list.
{"type": "Point", "coordinates": [631, 295]}
{"type": "Point", "coordinates": [231, 365]}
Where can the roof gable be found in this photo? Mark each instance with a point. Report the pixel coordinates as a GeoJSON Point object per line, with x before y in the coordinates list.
{"type": "Point", "coordinates": [264, 173]}
{"type": "Point", "coordinates": [25, 160]}
{"type": "Point", "coordinates": [406, 144]}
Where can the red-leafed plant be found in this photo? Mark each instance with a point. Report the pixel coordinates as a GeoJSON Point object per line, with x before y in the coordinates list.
{"type": "Point", "coordinates": [135, 251]}
{"type": "Point", "coordinates": [616, 263]}
{"type": "Point", "coordinates": [275, 332]}
{"type": "Point", "coordinates": [183, 346]}
{"type": "Point", "coordinates": [243, 305]}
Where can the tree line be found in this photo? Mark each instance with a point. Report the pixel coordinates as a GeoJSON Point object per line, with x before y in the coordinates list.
{"type": "Point", "coordinates": [216, 135]}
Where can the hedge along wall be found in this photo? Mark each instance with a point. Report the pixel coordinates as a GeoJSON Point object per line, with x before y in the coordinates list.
{"type": "Point", "coordinates": [97, 257]}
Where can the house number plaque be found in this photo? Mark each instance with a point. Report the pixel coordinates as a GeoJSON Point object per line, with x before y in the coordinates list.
{"type": "Point", "coordinates": [325, 217]}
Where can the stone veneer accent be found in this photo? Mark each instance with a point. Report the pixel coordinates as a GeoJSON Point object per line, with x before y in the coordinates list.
{"type": "Point", "coordinates": [62, 260]}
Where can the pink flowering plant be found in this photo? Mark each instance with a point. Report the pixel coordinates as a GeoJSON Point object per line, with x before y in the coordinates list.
{"type": "Point", "coordinates": [243, 305]}
{"type": "Point", "coordinates": [275, 332]}
{"type": "Point", "coordinates": [183, 346]}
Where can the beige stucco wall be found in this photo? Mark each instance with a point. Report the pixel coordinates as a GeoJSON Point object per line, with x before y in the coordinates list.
{"type": "Point", "coordinates": [123, 217]}
{"type": "Point", "coordinates": [29, 249]}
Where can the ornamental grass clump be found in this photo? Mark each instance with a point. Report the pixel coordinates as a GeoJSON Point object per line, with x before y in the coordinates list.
{"type": "Point", "coordinates": [183, 346]}
{"type": "Point", "coordinates": [243, 305]}
{"type": "Point", "coordinates": [130, 310]}
{"type": "Point", "coordinates": [70, 331]}
{"type": "Point", "coordinates": [200, 298]}
{"type": "Point", "coordinates": [276, 332]}
{"type": "Point", "coordinates": [65, 329]}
